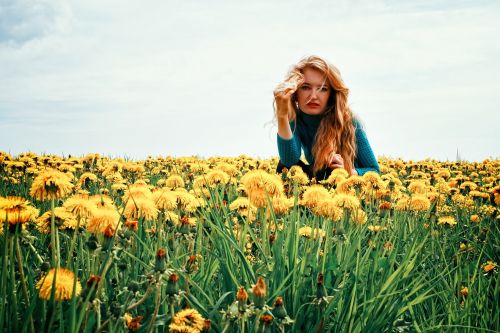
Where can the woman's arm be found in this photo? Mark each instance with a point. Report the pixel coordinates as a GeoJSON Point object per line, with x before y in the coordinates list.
{"type": "Point", "coordinates": [289, 145]}
{"type": "Point", "coordinates": [365, 160]}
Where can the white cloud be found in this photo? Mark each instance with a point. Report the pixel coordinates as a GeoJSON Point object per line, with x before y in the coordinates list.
{"type": "Point", "coordinates": [193, 77]}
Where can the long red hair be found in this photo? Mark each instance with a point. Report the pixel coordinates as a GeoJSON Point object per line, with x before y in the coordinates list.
{"type": "Point", "coordinates": [336, 132]}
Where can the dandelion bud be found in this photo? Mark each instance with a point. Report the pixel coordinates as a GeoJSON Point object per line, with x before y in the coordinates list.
{"type": "Point", "coordinates": [192, 264]}
{"type": "Point", "coordinates": [92, 242]}
{"type": "Point", "coordinates": [279, 310]}
{"type": "Point", "coordinates": [272, 238]}
{"type": "Point", "coordinates": [242, 298]}
{"type": "Point", "coordinates": [133, 286]}
{"type": "Point", "coordinates": [172, 288]}
{"type": "Point", "coordinates": [259, 292]}
{"type": "Point", "coordinates": [91, 287]}
{"type": "Point", "coordinates": [186, 225]}
{"type": "Point", "coordinates": [109, 232]}
{"type": "Point", "coordinates": [266, 319]}
{"type": "Point", "coordinates": [160, 263]}
{"type": "Point", "coordinates": [116, 309]}
{"type": "Point", "coordinates": [321, 289]}
{"type": "Point", "coordinates": [207, 324]}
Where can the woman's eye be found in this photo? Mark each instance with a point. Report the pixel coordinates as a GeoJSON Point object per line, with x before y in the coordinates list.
{"type": "Point", "coordinates": [305, 87]}
{"type": "Point", "coordinates": [324, 88]}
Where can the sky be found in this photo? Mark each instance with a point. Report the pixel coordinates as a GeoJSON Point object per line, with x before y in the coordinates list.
{"type": "Point", "coordinates": [189, 77]}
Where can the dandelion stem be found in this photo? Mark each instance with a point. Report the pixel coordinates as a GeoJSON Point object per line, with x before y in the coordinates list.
{"type": "Point", "coordinates": [54, 239]}
{"type": "Point", "coordinates": [73, 242]}
{"type": "Point", "coordinates": [13, 281]}
{"type": "Point", "coordinates": [139, 302]}
{"type": "Point", "coordinates": [23, 280]}
{"type": "Point", "coordinates": [157, 306]}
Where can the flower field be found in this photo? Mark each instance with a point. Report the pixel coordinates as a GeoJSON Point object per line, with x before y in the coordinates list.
{"type": "Point", "coordinates": [94, 244]}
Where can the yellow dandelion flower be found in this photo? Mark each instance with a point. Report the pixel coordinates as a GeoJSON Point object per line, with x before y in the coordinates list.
{"type": "Point", "coordinates": [442, 187]}
{"type": "Point", "coordinates": [102, 201]}
{"type": "Point", "coordinates": [419, 203]}
{"type": "Point", "coordinates": [417, 187]}
{"type": "Point", "coordinates": [340, 172]}
{"type": "Point", "coordinates": [449, 220]}
{"type": "Point", "coordinates": [63, 220]}
{"type": "Point", "coordinates": [137, 191]}
{"type": "Point", "coordinates": [240, 203]}
{"type": "Point", "coordinates": [141, 207]}
{"type": "Point", "coordinates": [309, 232]}
{"type": "Point", "coordinates": [373, 180]}
{"type": "Point", "coordinates": [64, 281]}
{"type": "Point", "coordinates": [471, 186]}
{"type": "Point", "coordinates": [328, 208]}
{"type": "Point", "coordinates": [16, 210]}
{"type": "Point", "coordinates": [359, 216]}
{"type": "Point", "coordinates": [376, 228]}
{"type": "Point", "coordinates": [103, 218]}
{"type": "Point", "coordinates": [403, 204]}
{"type": "Point", "coordinates": [258, 197]}
{"type": "Point", "coordinates": [165, 199]}
{"type": "Point", "coordinates": [299, 178]}
{"type": "Point", "coordinates": [464, 292]}
{"type": "Point", "coordinates": [187, 321]}
{"type": "Point", "coordinates": [50, 184]}
{"type": "Point", "coordinates": [346, 201]}
{"type": "Point", "coordinates": [217, 177]}
{"type": "Point", "coordinates": [230, 169]}
{"type": "Point", "coordinates": [475, 218]}
{"type": "Point", "coordinates": [261, 180]}
{"type": "Point", "coordinates": [174, 182]}
{"type": "Point", "coordinates": [313, 195]}
{"type": "Point", "coordinates": [489, 266]}
{"type": "Point", "coordinates": [444, 173]}
{"type": "Point", "coordinates": [86, 179]}
{"type": "Point", "coordinates": [80, 205]}
{"type": "Point", "coordinates": [118, 187]}
{"type": "Point", "coordinates": [487, 210]}
{"type": "Point", "coordinates": [185, 199]}
{"type": "Point", "coordinates": [281, 205]}
{"type": "Point", "coordinates": [172, 217]}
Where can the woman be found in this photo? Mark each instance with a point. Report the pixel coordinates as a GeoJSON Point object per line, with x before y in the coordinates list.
{"type": "Point", "coordinates": [313, 115]}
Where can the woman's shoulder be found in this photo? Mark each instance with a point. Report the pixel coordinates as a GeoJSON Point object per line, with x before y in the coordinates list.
{"type": "Point", "coordinates": [356, 122]}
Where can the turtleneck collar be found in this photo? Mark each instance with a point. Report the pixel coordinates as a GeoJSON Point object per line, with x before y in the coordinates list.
{"type": "Point", "coordinates": [310, 119]}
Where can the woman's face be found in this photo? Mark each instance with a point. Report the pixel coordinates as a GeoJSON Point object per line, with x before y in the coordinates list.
{"type": "Point", "coordinates": [313, 94]}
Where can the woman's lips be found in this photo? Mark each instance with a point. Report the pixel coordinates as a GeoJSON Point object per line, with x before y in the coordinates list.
{"type": "Point", "coordinates": [313, 105]}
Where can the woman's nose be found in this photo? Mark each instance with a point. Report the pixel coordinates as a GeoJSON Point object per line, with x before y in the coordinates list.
{"type": "Point", "coordinates": [313, 93]}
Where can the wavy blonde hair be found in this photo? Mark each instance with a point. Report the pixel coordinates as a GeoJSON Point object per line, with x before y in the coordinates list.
{"type": "Point", "coordinates": [336, 132]}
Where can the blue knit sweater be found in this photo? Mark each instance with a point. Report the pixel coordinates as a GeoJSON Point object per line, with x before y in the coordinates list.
{"type": "Point", "coordinates": [304, 137]}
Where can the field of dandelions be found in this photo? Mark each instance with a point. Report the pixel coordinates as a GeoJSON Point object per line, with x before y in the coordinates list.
{"type": "Point", "coordinates": [94, 244]}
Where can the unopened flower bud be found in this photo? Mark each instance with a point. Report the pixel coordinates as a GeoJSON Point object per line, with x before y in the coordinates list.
{"type": "Point", "coordinates": [160, 263]}
{"type": "Point", "coordinates": [279, 310]}
{"type": "Point", "coordinates": [321, 289]}
{"type": "Point", "coordinates": [242, 298]}
{"type": "Point", "coordinates": [259, 292]}
{"type": "Point", "coordinates": [172, 288]}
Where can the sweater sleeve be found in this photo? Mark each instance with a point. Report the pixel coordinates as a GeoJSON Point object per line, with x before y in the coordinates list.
{"type": "Point", "coordinates": [289, 149]}
{"type": "Point", "coordinates": [365, 159]}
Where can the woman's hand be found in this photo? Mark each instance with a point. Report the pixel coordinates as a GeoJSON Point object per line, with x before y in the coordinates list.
{"type": "Point", "coordinates": [283, 93]}
{"type": "Point", "coordinates": [336, 161]}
